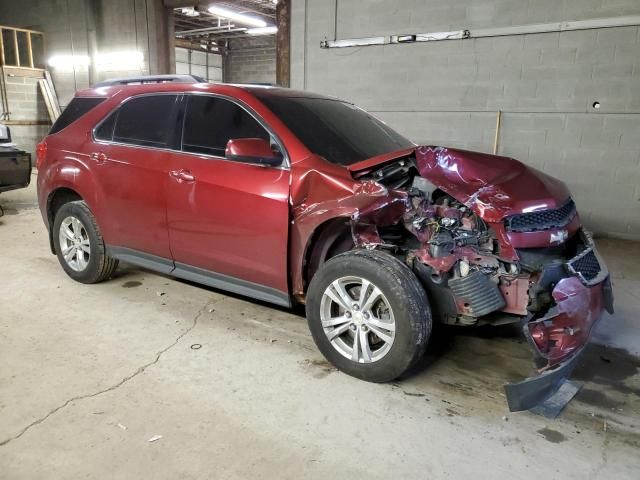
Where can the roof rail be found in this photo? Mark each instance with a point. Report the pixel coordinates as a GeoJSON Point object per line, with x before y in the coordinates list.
{"type": "Point", "coordinates": [150, 79]}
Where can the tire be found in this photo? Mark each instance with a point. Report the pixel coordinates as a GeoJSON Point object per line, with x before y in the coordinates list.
{"type": "Point", "coordinates": [407, 309]}
{"type": "Point", "coordinates": [81, 231]}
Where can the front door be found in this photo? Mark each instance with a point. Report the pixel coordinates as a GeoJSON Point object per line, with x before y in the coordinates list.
{"type": "Point", "coordinates": [228, 221]}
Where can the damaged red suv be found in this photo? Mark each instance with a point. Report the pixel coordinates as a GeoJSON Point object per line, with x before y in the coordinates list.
{"type": "Point", "coordinates": [290, 197]}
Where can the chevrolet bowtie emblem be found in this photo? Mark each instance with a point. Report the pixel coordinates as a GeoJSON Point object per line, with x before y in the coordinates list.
{"type": "Point", "coordinates": [559, 236]}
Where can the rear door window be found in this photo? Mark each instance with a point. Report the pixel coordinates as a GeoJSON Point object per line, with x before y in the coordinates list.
{"type": "Point", "coordinates": [147, 121]}
{"type": "Point", "coordinates": [210, 122]}
{"type": "Point", "coordinates": [77, 108]}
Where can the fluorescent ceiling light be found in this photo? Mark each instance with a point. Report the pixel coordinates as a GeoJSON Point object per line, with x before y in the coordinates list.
{"type": "Point", "coordinates": [271, 29]}
{"type": "Point", "coordinates": [68, 61]}
{"type": "Point", "coordinates": [238, 17]}
{"type": "Point", "coordinates": [190, 12]}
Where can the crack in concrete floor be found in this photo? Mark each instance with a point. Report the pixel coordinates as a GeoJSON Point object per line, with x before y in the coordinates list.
{"type": "Point", "coordinates": [124, 380]}
{"type": "Point", "coordinates": [604, 458]}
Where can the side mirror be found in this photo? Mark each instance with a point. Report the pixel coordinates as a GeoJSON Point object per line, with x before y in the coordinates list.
{"type": "Point", "coordinates": [252, 150]}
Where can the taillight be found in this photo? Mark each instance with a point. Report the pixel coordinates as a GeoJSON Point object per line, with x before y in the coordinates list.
{"type": "Point", "coordinates": [41, 153]}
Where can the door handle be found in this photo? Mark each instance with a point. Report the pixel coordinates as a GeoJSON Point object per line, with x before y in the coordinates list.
{"type": "Point", "coordinates": [99, 157]}
{"type": "Point", "coordinates": [182, 175]}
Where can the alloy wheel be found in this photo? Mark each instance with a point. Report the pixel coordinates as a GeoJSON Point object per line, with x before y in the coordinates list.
{"type": "Point", "coordinates": [357, 319]}
{"type": "Point", "coordinates": [74, 243]}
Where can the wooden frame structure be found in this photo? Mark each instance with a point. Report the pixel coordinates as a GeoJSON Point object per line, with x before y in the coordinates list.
{"type": "Point", "coordinates": [20, 62]}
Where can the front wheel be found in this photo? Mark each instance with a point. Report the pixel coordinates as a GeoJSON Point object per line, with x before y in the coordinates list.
{"type": "Point", "coordinates": [368, 315]}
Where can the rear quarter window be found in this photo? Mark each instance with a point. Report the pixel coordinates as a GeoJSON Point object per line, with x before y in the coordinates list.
{"type": "Point", "coordinates": [78, 107]}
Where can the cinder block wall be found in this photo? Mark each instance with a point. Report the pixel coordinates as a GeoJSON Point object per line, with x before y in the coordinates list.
{"type": "Point", "coordinates": [251, 60]}
{"type": "Point", "coordinates": [120, 26]}
{"type": "Point", "coordinates": [26, 105]}
{"type": "Point", "coordinates": [448, 93]}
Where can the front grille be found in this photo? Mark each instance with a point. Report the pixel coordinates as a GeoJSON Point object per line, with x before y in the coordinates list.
{"type": "Point", "coordinates": [543, 220]}
{"type": "Point", "coordinates": [587, 267]}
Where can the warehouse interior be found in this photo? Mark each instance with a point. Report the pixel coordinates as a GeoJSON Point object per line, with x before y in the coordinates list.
{"type": "Point", "coordinates": [147, 375]}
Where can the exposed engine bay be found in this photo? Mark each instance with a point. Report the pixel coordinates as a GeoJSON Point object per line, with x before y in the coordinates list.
{"type": "Point", "coordinates": [468, 275]}
{"type": "Point", "coordinates": [458, 257]}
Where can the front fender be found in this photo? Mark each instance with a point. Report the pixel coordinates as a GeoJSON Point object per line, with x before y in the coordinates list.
{"type": "Point", "coordinates": [318, 197]}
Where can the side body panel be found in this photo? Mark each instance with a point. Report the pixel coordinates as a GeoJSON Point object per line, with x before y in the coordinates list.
{"type": "Point", "coordinates": [133, 180]}
{"type": "Point", "coordinates": [232, 218]}
{"type": "Point", "coordinates": [245, 207]}
{"type": "Point", "coordinates": [122, 184]}
{"type": "Point", "coordinates": [68, 166]}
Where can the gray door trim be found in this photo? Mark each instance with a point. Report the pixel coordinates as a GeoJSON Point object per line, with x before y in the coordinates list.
{"type": "Point", "coordinates": [200, 275]}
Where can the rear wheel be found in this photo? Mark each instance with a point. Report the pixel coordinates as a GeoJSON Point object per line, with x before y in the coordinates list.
{"type": "Point", "coordinates": [79, 244]}
{"type": "Point", "coordinates": [368, 315]}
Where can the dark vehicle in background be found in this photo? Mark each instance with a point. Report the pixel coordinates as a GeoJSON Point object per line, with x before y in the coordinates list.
{"type": "Point", "coordinates": [15, 164]}
{"type": "Point", "coordinates": [291, 197]}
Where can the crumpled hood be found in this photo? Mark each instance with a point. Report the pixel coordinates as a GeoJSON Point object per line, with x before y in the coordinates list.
{"type": "Point", "coordinates": [493, 186]}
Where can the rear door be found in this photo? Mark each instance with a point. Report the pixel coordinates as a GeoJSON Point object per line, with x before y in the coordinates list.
{"type": "Point", "coordinates": [228, 221]}
{"type": "Point", "coordinates": [131, 158]}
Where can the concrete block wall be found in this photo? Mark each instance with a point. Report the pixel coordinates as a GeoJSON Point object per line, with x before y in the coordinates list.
{"type": "Point", "coordinates": [251, 60]}
{"type": "Point", "coordinates": [120, 26]}
{"type": "Point", "coordinates": [25, 103]}
{"type": "Point", "coordinates": [448, 93]}
{"type": "Point", "coordinates": [195, 62]}
{"type": "Point", "coordinates": [117, 26]}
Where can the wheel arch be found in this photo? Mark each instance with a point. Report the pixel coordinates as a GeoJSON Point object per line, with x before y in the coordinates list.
{"type": "Point", "coordinates": [56, 199]}
{"type": "Point", "coordinates": [66, 180]}
{"type": "Point", "coordinates": [328, 239]}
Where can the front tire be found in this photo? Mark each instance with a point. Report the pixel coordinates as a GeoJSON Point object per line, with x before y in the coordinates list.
{"type": "Point", "coordinates": [79, 244]}
{"type": "Point", "coordinates": [369, 315]}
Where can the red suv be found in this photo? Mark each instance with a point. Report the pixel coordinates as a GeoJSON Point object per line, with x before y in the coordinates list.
{"type": "Point", "coordinates": [291, 197]}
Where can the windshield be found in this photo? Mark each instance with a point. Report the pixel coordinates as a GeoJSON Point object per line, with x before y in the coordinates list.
{"type": "Point", "coordinates": [338, 131]}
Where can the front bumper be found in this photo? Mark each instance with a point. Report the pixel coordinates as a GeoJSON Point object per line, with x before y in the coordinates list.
{"type": "Point", "coordinates": [528, 393]}
{"type": "Point", "coordinates": [570, 324]}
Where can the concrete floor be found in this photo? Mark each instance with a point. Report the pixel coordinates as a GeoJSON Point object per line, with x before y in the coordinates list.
{"type": "Point", "coordinates": [88, 374]}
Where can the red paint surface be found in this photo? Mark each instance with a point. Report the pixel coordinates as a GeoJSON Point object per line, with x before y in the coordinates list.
{"type": "Point", "coordinates": [578, 309]}
{"type": "Point", "coordinates": [494, 187]}
{"type": "Point", "coordinates": [232, 219]}
{"type": "Point", "coordinates": [248, 147]}
{"type": "Point", "coordinates": [320, 192]}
